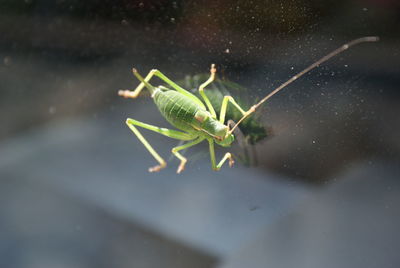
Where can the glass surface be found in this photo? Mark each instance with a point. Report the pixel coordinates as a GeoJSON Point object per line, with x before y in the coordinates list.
{"type": "Point", "coordinates": [316, 167]}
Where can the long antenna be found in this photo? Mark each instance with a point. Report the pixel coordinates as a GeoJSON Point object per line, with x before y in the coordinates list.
{"type": "Point", "coordinates": [306, 70]}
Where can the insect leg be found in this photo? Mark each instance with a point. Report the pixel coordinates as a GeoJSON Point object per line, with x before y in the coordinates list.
{"type": "Point", "coordinates": [174, 134]}
{"type": "Point", "coordinates": [164, 131]}
{"type": "Point", "coordinates": [135, 93]}
{"type": "Point", "coordinates": [181, 157]}
{"type": "Point", "coordinates": [212, 156]}
{"type": "Point", "coordinates": [224, 106]}
{"type": "Point", "coordinates": [244, 145]}
{"type": "Point", "coordinates": [213, 70]}
{"type": "Point", "coordinates": [175, 86]}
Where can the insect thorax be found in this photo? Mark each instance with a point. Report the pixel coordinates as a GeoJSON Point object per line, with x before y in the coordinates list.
{"type": "Point", "coordinates": [210, 126]}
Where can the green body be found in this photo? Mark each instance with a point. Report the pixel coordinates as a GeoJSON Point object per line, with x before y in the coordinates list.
{"type": "Point", "coordinates": [185, 114]}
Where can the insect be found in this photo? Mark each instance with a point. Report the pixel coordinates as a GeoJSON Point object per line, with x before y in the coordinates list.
{"type": "Point", "coordinates": [198, 121]}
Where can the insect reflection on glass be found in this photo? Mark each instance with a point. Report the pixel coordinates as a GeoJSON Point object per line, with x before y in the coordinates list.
{"type": "Point", "coordinates": [198, 121]}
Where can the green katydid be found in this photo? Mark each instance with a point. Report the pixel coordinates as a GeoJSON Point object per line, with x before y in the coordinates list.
{"type": "Point", "coordinates": [198, 121]}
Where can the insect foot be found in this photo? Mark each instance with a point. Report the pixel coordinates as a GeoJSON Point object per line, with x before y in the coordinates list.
{"type": "Point", "coordinates": [181, 166]}
{"type": "Point", "coordinates": [127, 94]}
{"type": "Point", "coordinates": [157, 168]}
{"type": "Point", "coordinates": [231, 161]}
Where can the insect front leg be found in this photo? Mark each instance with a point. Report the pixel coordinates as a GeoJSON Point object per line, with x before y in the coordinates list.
{"type": "Point", "coordinates": [212, 156]}
{"type": "Point", "coordinates": [181, 157]}
{"type": "Point", "coordinates": [224, 106]}
{"type": "Point", "coordinates": [244, 144]}
{"type": "Point", "coordinates": [164, 131]}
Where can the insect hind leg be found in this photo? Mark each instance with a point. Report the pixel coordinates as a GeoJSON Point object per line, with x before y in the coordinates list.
{"type": "Point", "coordinates": [155, 72]}
{"type": "Point", "coordinates": [135, 93]}
{"type": "Point", "coordinates": [164, 131]}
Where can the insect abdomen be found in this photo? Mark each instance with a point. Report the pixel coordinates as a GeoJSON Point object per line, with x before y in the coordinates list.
{"type": "Point", "coordinates": [178, 109]}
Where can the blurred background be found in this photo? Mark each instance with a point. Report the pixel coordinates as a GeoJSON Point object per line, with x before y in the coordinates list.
{"type": "Point", "coordinates": [321, 189]}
